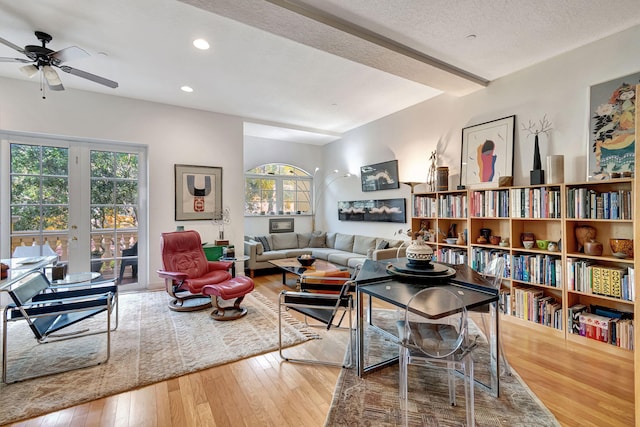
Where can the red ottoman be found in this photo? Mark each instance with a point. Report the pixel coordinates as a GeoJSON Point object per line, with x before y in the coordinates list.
{"type": "Point", "coordinates": [236, 287]}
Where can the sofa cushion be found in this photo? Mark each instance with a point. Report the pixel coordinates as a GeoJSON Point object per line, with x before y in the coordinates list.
{"type": "Point", "coordinates": [331, 240]}
{"type": "Point", "coordinates": [361, 244]}
{"type": "Point", "coordinates": [284, 241]}
{"type": "Point", "coordinates": [318, 240]}
{"type": "Point", "coordinates": [381, 243]}
{"type": "Point", "coordinates": [304, 239]}
{"type": "Point", "coordinates": [344, 242]}
{"type": "Point", "coordinates": [266, 242]}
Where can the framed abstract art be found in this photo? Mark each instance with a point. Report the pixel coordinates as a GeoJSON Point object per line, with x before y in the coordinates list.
{"type": "Point", "coordinates": [487, 152]}
{"type": "Point", "coordinates": [198, 192]}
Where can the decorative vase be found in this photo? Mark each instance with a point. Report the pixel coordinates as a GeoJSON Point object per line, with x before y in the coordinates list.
{"type": "Point", "coordinates": [452, 231]}
{"type": "Point", "coordinates": [555, 169]}
{"type": "Point", "coordinates": [461, 240]}
{"type": "Point", "coordinates": [485, 232]}
{"type": "Point", "coordinates": [592, 247]}
{"type": "Point", "coordinates": [536, 176]}
{"type": "Point", "coordinates": [442, 178]}
{"type": "Point", "coordinates": [419, 254]}
{"type": "Point", "coordinates": [584, 233]}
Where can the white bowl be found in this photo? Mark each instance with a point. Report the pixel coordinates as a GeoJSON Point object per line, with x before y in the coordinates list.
{"type": "Point", "coordinates": [528, 244]}
{"type": "Point", "coordinates": [451, 240]}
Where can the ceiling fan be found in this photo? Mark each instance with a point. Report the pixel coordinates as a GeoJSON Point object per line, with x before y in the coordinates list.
{"type": "Point", "coordinates": [41, 58]}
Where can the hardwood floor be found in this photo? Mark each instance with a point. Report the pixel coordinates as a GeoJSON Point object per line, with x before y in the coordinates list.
{"type": "Point", "coordinates": [581, 386]}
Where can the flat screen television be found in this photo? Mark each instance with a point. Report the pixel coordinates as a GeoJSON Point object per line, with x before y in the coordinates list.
{"type": "Point", "coordinates": [380, 176]}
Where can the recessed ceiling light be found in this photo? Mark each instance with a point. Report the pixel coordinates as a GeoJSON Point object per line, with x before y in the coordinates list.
{"type": "Point", "coordinates": [201, 44]}
{"type": "Point", "coordinates": [187, 89]}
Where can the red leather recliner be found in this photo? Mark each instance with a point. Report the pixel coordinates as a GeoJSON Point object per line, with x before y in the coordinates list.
{"type": "Point", "coordinates": [189, 275]}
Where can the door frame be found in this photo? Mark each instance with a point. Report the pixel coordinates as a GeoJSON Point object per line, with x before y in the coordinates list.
{"type": "Point", "coordinates": [8, 137]}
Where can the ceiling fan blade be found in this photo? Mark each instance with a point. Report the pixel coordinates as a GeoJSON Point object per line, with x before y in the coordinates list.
{"type": "Point", "coordinates": [25, 61]}
{"type": "Point", "coordinates": [89, 76]}
{"type": "Point", "coordinates": [12, 46]}
{"type": "Point", "coordinates": [29, 70]}
{"type": "Point", "coordinates": [52, 78]}
{"type": "Point", "coordinates": [67, 54]}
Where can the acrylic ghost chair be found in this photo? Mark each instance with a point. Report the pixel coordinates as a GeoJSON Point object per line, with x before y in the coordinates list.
{"type": "Point", "coordinates": [189, 276]}
{"type": "Point", "coordinates": [441, 342]}
{"type": "Point", "coordinates": [494, 272]}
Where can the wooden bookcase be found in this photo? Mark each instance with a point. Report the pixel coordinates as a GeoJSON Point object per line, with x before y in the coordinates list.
{"type": "Point", "coordinates": [544, 211]}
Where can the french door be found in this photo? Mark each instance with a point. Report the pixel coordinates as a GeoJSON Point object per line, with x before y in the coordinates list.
{"type": "Point", "coordinates": [79, 200]}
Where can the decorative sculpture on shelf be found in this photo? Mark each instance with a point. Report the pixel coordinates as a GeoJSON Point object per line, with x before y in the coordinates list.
{"type": "Point", "coordinates": [537, 174]}
{"type": "Point", "coordinates": [221, 218]}
{"type": "Point", "coordinates": [431, 176]}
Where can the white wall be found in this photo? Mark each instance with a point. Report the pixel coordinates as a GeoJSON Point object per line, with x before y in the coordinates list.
{"type": "Point", "coordinates": [173, 135]}
{"type": "Point", "coordinates": [558, 88]}
{"type": "Point", "coordinates": [259, 151]}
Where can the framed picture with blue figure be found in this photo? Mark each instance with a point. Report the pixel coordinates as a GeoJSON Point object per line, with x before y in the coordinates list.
{"type": "Point", "coordinates": [612, 128]}
{"type": "Point", "coordinates": [487, 152]}
{"type": "Point", "coordinates": [198, 192]}
{"type": "Point", "coordinates": [380, 176]}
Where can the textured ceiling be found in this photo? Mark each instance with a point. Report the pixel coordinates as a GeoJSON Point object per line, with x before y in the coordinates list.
{"type": "Point", "coordinates": [318, 67]}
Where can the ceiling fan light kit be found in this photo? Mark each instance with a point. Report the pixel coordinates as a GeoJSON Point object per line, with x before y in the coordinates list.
{"type": "Point", "coordinates": [44, 59]}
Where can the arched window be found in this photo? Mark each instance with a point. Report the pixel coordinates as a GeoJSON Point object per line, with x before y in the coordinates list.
{"type": "Point", "coordinates": [278, 189]}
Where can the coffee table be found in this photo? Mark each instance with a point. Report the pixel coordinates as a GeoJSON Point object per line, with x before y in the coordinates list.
{"type": "Point", "coordinates": [291, 265]}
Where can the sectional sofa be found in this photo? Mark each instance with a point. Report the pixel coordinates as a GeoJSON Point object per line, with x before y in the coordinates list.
{"type": "Point", "coordinates": [347, 250]}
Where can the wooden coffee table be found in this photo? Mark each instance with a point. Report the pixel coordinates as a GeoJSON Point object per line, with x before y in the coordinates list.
{"type": "Point", "coordinates": [291, 265]}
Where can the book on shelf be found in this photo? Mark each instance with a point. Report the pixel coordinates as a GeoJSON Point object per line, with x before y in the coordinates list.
{"type": "Point", "coordinates": [573, 318]}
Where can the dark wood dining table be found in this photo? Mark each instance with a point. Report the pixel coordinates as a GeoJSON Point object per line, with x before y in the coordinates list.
{"type": "Point", "coordinates": [375, 282]}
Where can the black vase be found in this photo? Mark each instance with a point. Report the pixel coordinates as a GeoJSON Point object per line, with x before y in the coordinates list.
{"type": "Point", "coordinates": [536, 176]}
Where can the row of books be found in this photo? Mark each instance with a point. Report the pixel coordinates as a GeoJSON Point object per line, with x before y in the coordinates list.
{"type": "Point", "coordinates": [451, 256]}
{"type": "Point", "coordinates": [481, 257]}
{"type": "Point", "coordinates": [533, 305]}
{"type": "Point", "coordinates": [603, 324]}
{"type": "Point", "coordinates": [489, 203]}
{"type": "Point", "coordinates": [589, 204]}
{"type": "Point", "coordinates": [539, 202]}
{"type": "Point", "coordinates": [538, 269]}
{"type": "Point", "coordinates": [452, 205]}
{"type": "Point", "coordinates": [424, 207]}
{"type": "Point", "coordinates": [586, 276]}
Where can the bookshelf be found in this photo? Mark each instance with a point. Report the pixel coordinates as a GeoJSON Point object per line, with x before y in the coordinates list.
{"type": "Point", "coordinates": [539, 289]}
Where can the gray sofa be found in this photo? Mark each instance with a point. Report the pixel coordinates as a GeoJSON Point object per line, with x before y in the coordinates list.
{"type": "Point", "coordinates": [346, 250]}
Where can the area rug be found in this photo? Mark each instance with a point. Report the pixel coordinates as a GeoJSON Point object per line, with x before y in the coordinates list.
{"type": "Point", "coordinates": [151, 344]}
{"type": "Point", "coordinates": [373, 400]}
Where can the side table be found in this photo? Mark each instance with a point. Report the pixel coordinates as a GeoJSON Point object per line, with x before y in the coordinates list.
{"type": "Point", "coordinates": [242, 259]}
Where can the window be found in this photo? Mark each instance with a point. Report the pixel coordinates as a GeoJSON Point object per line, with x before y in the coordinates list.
{"type": "Point", "coordinates": [278, 189]}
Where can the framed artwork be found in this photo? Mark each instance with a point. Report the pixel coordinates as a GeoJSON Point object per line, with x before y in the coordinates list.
{"type": "Point", "coordinates": [612, 128]}
{"type": "Point", "coordinates": [389, 210]}
{"type": "Point", "coordinates": [380, 176]}
{"type": "Point", "coordinates": [280, 225]}
{"type": "Point", "coordinates": [198, 193]}
{"type": "Point", "coordinates": [487, 152]}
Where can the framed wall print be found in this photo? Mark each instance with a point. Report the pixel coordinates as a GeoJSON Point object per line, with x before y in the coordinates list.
{"type": "Point", "coordinates": [487, 152]}
{"type": "Point", "coordinates": [388, 210]}
{"type": "Point", "coordinates": [380, 176]}
{"type": "Point", "coordinates": [198, 192]}
{"type": "Point", "coordinates": [281, 225]}
{"type": "Point", "coordinates": [612, 128]}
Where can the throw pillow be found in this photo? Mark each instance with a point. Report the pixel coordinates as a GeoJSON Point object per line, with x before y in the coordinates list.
{"type": "Point", "coordinates": [265, 242]}
{"type": "Point", "coordinates": [317, 241]}
{"type": "Point", "coordinates": [259, 249]}
{"type": "Point", "coordinates": [383, 244]}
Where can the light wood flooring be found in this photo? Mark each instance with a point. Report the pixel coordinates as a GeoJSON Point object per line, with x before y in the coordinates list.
{"type": "Point", "coordinates": [581, 386]}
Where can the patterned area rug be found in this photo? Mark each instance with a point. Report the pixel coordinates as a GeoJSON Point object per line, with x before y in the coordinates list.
{"type": "Point", "coordinates": [151, 344]}
{"type": "Point", "coordinates": [373, 400]}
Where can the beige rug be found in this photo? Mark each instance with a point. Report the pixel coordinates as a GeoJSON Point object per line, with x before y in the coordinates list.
{"type": "Point", "coordinates": [373, 400]}
{"type": "Point", "coordinates": [151, 344]}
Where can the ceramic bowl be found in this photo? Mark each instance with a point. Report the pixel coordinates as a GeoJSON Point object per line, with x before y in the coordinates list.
{"type": "Point", "coordinates": [528, 244]}
{"type": "Point", "coordinates": [542, 244]}
{"type": "Point", "coordinates": [451, 240]}
{"type": "Point", "coordinates": [494, 240]}
{"type": "Point", "coordinates": [621, 248]}
{"type": "Point", "coordinates": [306, 262]}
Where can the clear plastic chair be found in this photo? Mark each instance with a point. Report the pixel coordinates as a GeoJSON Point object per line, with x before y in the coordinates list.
{"type": "Point", "coordinates": [494, 273]}
{"type": "Point", "coordinates": [441, 342]}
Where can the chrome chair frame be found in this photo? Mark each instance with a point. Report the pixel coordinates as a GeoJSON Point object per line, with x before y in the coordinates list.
{"type": "Point", "coordinates": [48, 309]}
